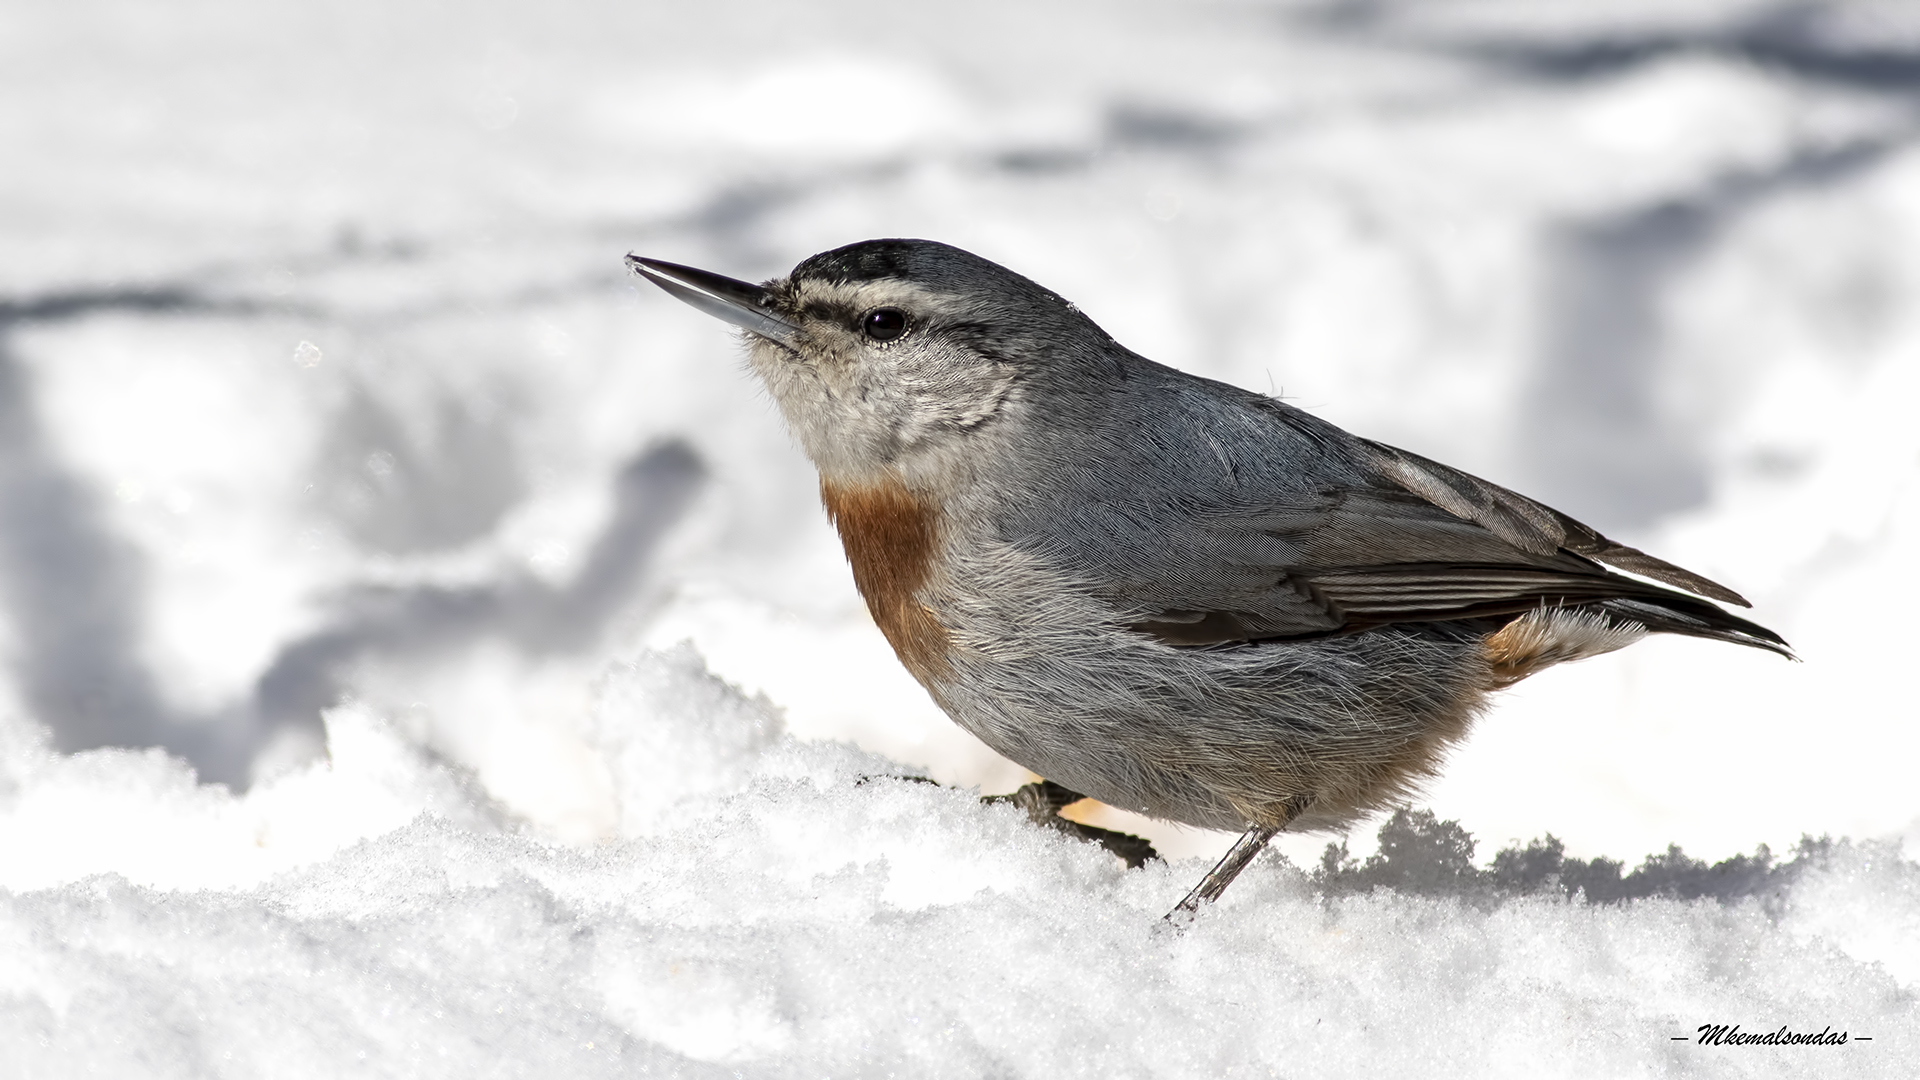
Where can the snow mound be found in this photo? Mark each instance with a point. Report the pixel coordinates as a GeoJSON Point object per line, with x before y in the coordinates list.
{"type": "Point", "coordinates": [776, 907]}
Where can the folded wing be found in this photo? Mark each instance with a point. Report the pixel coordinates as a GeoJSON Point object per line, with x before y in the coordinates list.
{"type": "Point", "coordinates": [1412, 541]}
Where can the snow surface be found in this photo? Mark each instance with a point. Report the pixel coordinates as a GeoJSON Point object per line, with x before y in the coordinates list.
{"type": "Point", "coordinates": [779, 906]}
{"type": "Point", "coordinates": [323, 394]}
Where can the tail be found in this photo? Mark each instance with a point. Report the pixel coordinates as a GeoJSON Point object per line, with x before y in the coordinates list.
{"type": "Point", "coordinates": [1676, 614]}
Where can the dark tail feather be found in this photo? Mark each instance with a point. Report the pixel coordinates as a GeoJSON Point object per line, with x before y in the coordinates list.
{"type": "Point", "coordinates": [1696, 618]}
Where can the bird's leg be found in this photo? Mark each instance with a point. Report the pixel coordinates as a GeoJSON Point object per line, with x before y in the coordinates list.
{"type": "Point", "coordinates": [1244, 849]}
{"type": "Point", "coordinates": [1043, 800]}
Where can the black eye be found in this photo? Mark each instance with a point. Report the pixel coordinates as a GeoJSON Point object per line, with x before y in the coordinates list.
{"type": "Point", "coordinates": [884, 324]}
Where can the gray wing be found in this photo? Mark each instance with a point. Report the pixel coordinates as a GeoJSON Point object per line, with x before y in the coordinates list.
{"type": "Point", "coordinates": [1526, 524]}
{"type": "Point", "coordinates": [1403, 539]}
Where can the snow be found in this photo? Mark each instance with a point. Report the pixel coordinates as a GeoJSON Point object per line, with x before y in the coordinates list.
{"type": "Point", "coordinates": [780, 906]}
{"type": "Point", "coordinates": [423, 652]}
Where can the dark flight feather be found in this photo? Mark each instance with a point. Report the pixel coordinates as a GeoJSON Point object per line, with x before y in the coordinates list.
{"type": "Point", "coordinates": [1425, 543]}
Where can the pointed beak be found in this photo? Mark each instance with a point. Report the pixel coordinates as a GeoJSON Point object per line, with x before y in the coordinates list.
{"type": "Point", "coordinates": [741, 303]}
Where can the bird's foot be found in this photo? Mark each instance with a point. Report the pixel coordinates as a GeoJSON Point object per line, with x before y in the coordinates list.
{"type": "Point", "coordinates": [1043, 801]}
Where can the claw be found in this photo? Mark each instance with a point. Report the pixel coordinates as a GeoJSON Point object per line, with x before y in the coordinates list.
{"type": "Point", "coordinates": [1043, 801]}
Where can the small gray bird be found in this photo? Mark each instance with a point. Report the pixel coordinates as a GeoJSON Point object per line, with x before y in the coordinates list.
{"type": "Point", "coordinates": [1164, 592]}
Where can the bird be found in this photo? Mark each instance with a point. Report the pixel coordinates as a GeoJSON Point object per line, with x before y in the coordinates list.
{"type": "Point", "coordinates": [1176, 596]}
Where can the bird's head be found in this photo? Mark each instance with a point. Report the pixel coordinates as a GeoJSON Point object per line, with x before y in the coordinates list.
{"type": "Point", "coordinates": [892, 356]}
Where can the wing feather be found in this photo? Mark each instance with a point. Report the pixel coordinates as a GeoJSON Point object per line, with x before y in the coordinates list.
{"type": "Point", "coordinates": [1288, 527]}
{"type": "Point", "coordinates": [1528, 525]}
{"type": "Point", "coordinates": [1426, 543]}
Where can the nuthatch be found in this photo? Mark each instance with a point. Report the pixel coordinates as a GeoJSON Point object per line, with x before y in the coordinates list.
{"type": "Point", "coordinates": [1167, 593]}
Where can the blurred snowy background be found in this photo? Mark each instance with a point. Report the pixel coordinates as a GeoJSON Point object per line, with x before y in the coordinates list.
{"type": "Point", "coordinates": [342, 465]}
